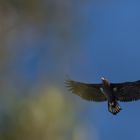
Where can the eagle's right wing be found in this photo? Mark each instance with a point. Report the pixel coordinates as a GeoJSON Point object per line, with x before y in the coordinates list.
{"type": "Point", "coordinates": [91, 92]}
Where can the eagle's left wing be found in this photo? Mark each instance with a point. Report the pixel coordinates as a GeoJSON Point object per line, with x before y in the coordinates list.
{"type": "Point", "coordinates": [125, 92]}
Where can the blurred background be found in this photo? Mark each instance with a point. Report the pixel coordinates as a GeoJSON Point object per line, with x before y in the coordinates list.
{"type": "Point", "coordinates": [42, 42]}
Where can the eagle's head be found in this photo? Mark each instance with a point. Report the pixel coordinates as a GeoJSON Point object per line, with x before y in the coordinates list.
{"type": "Point", "coordinates": [105, 82]}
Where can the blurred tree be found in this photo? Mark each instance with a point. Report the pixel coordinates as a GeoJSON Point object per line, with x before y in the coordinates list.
{"type": "Point", "coordinates": [37, 40]}
{"type": "Point", "coordinates": [49, 116]}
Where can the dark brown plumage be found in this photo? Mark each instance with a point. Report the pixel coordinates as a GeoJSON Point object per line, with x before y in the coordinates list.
{"type": "Point", "coordinates": [111, 92]}
{"type": "Point", "coordinates": [86, 91]}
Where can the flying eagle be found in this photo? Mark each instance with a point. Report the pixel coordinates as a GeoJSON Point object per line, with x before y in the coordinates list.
{"type": "Point", "coordinates": [106, 91]}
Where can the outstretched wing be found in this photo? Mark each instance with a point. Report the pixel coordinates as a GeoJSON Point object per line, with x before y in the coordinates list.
{"type": "Point", "coordinates": [125, 92]}
{"type": "Point", "coordinates": [86, 91]}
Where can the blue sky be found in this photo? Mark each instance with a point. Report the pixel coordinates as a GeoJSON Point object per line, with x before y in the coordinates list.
{"type": "Point", "coordinates": [110, 46]}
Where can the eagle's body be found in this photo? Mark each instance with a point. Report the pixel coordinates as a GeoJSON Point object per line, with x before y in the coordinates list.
{"type": "Point", "coordinates": [106, 91]}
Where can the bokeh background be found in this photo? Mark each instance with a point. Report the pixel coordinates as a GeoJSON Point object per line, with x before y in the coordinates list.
{"type": "Point", "coordinates": [42, 42]}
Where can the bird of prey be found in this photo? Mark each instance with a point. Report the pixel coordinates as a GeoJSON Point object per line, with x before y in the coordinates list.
{"type": "Point", "coordinates": [106, 91]}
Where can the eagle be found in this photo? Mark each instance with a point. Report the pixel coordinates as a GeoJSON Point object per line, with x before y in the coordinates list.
{"type": "Point", "coordinates": [106, 91]}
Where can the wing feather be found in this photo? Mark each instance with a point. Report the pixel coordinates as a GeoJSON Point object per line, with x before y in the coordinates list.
{"type": "Point", "coordinates": [129, 91]}
{"type": "Point", "coordinates": [86, 91]}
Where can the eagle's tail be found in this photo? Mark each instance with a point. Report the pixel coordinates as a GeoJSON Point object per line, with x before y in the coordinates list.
{"type": "Point", "coordinates": [114, 107]}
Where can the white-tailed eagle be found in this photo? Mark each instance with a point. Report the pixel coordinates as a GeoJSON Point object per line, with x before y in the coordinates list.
{"type": "Point", "coordinates": [106, 91]}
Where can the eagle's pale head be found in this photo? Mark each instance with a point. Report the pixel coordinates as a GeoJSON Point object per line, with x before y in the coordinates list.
{"type": "Point", "coordinates": [105, 81]}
